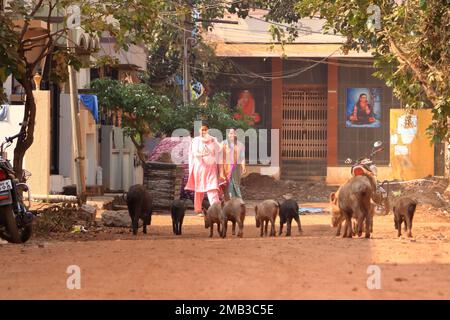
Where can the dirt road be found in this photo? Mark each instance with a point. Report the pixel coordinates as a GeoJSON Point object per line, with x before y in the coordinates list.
{"type": "Point", "coordinates": [315, 265]}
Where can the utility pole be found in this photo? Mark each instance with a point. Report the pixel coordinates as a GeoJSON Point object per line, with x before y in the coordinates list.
{"type": "Point", "coordinates": [186, 70]}
{"type": "Point", "coordinates": [187, 37]}
{"type": "Point", "coordinates": [76, 130]}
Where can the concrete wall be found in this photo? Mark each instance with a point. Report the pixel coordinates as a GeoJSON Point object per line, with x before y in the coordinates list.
{"type": "Point", "coordinates": [136, 55]}
{"type": "Point", "coordinates": [418, 162]}
{"type": "Point", "coordinates": [11, 127]}
{"type": "Point", "coordinates": [66, 167]}
{"type": "Point", "coordinates": [412, 155]}
{"type": "Point", "coordinates": [89, 142]}
{"type": "Point", "coordinates": [356, 142]}
{"type": "Point", "coordinates": [339, 174]}
{"type": "Point", "coordinates": [38, 155]}
{"type": "Point", "coordinates": [83, 78]}
{"type": "Point", "coordinates": [118, 158]}
{"type": "Point", "coordinates": [7, 86]}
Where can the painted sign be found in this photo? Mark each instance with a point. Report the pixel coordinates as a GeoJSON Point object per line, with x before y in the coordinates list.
{"type": "Point", "coordinates": [363, 108]}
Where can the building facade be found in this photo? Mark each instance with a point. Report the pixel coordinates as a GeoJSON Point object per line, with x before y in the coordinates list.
{"type": "Point", "coordinates": [315, 95]}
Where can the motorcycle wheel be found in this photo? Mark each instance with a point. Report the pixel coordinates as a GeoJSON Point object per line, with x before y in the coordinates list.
{"type": "Point", "coordinates": [9, 221]}
{"type": "Point", "coordinates": [26, 232]}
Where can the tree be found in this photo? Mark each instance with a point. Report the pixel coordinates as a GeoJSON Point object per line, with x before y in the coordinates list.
{"type": "Point", "coordinates": [139, 105]}
{"type": "Point", "coordinates": [150, 22]}
{"type": "Point", "coordinates": [9, 60]}
{"type": "Point", "coordinates": [146, 112]}
{"type": "Point", "coordinates": [165, 56]}
{"type": "Point", "coordinates": [410, 44]}
{"type": "Point", "coordinates": [216, 111]}
{"type": "Point", "coordinates": [129, 21]}
{"type": "Point", "coordinates": [411, 49]}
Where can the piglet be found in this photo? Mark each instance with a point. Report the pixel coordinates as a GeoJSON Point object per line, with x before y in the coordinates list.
{"type": "Point", "coordinates": [264, 212]}
{"type": "Point", "coordinates": [212, 215]}
{"type": "Point", "coordinates": [404, 208]}
{"type": "Point", "coordinates": [233, 210]}
{"type": "Point", "coordinates": [178, 209]}
{"type": "Point", "coordinates": [289, 212]}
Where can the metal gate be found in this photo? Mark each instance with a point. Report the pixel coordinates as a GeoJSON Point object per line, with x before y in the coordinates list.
{"type": "Point", "coordinates": [304, 124]}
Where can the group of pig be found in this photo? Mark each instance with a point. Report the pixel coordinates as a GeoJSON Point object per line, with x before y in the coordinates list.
{"type": "Point", "coordinates": [140, 206]}
{"type": "Point", "coordinates": [234, 210]}
{"type": "Point", "coordinates": [354, 201]}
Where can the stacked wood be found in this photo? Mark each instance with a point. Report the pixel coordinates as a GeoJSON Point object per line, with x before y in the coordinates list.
{"type": "Point", "coordinates": [163, 180]}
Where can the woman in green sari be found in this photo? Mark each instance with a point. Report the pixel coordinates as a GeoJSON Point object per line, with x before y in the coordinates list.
{"type": "Point", "coordinates": [233, 165]}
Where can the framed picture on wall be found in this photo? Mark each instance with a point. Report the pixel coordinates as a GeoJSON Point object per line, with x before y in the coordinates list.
{"type": "Point", "coordinates": [363, 108]}
{"type": "Point", "coordinates": [253, 102]}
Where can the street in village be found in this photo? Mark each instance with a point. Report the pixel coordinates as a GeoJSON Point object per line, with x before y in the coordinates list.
{"type": "Point", "coordinates": [315, 264]}
{"type": "Point", "coordinates": [119, 119]}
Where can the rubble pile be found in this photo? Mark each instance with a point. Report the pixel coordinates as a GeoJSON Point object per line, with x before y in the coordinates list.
{"type": "Point", "coordinates": [61, 217]}
{"type": "Point", "coordinates": [258, 187]}
{"type": "Point", "coordinates": [428, 192]}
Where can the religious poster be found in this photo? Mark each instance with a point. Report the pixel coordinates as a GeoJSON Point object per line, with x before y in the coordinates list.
{"type": "Point", "coordinates": [363, 108]}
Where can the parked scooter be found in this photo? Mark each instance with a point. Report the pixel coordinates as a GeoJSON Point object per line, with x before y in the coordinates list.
{"type": "Point", "coordinates": [15, 219]}
{"type": "Point", "coordinates": [366, 166]}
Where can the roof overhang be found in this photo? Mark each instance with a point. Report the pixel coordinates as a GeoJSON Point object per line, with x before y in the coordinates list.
{"type": "Point", "coordinates": [323, 50]}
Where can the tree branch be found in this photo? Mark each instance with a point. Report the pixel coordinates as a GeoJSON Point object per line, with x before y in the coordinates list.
{"type": "Point", "coordinates": [35, 46]}
{"type": "Point", "coordinates": [27, 21]}
{"type": "Point", "coordinates": [139, 148]}
{"type": "Point", "coordinates": [38, 38]}
{"type": "Point", "coordinates": [401, 56]}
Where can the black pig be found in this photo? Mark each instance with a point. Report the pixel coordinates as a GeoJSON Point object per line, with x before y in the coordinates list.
{"type": "Point", "coordinates": [178, 209]}
{"type": "Point", "coordinates": [140, 206]}
{"type": "Point", "coordinates": [289, 211]}
{"type": "Point", "coordinates": [404, 208]}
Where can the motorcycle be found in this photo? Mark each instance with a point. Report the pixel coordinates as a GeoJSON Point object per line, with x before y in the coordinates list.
{"type": "Point", "coordinates": [366, 166]}
{"type": "Point", "coordinates": [15, 219]}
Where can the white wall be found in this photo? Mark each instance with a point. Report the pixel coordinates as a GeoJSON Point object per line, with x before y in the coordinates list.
{"type": "Point", "coordinates": [11, 127]}
{"type": "Point", "coordinates": [119, 172]}
{"type": "Point", "coordinates": [83, 78]}
{"type": "Point", "coordinates": [7, 86]}
{"type": "Point", "coordinates": [91, 160]}
{"type": "Point", "coordinates": [66, 162]}
{"type": "Point", "coordinates": [136, 55]}
{"type": "Point", "coordinates": [66, 167]}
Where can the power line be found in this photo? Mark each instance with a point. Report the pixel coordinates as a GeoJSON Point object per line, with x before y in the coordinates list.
{"type": "Point", "coordinates": [275, 75]}
{"type": "Point", "coordinates": [206, 7]}
{"type": "Point", "coordinates": [293, 74]}
{"type": "Point", "coordinates": [285, 26]}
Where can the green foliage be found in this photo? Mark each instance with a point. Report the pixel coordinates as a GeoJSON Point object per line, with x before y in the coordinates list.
{"type": "Point", "coordinates": [145, 111]}
{"type": "Point", "coordinates": [411, 49]}
{"type": "Point", "coordinates": [216, 111]}
{"type": "Point", "coordinates": [140, 105]}
{"type": "Point", "coordinates": [165, 55]}
{"type": "Point", "coordinates": [129, 21]}
{"type": "Point", "coordinates": [10, 62]}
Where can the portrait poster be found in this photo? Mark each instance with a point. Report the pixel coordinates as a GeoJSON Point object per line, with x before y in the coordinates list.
{"type": "Point", "coordinates": [252, 101]}
{"type": "Point", "coordinates": [363, 108]}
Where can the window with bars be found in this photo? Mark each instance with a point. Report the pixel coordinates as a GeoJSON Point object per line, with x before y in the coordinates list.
{"type": "Point", "coordinates": [304, 124]}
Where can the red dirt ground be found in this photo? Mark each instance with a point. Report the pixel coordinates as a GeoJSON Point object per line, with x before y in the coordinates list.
{"type": "Point", "coordinates": [314, 265]}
